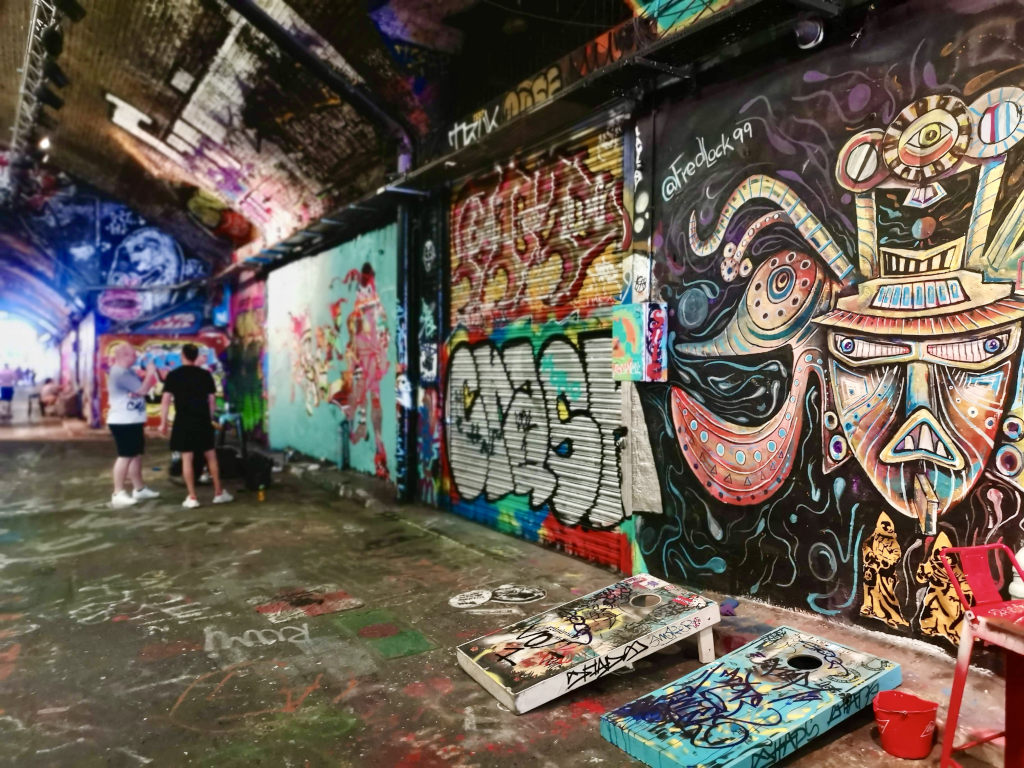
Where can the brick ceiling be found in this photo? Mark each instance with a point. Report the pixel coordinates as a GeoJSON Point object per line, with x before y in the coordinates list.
{"type": "Point", "coordinates": [169, 98]}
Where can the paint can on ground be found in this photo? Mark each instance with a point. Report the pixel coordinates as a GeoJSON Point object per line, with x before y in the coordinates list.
{"type": "Point", "coordinates": [906, 724]}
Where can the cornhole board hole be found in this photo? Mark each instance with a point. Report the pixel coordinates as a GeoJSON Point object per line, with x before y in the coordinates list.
{"type": "Point", "coordinates": [538, 659]}
{"type": "Point", "coordinates": [751, 707]}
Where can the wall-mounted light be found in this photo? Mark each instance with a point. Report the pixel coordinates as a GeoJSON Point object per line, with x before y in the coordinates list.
{"type": "Point", "coordinates": [810, 32]}
{"type": "Point", "coordinates": [44, 143]}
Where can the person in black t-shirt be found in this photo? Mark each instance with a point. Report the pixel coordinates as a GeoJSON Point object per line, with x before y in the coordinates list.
{"type": "Point", "coordinates": [192, 390]}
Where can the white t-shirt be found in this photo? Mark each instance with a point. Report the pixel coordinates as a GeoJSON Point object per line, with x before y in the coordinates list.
{"type": "Point", "coordinates": [7, 378]}
{"type": "Point", "coordinates": [126, 407]}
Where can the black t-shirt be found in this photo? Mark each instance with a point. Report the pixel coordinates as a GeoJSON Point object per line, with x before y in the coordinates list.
{"type": "Point", "coordinates": [191, 387]}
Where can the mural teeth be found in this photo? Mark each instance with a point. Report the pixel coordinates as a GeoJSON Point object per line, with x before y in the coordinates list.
{"type": "Point", "coordinates": [908, 443]}
{"type": "Point", "coordinates": [927, 444]}
{"type": "Point", "coordinates": [941, 450]}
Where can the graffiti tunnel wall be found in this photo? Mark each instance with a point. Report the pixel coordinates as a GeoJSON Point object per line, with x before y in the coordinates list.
{"type": "Point", "coordinates": [838, 245]}
{"type": "Point", "coordinates": [332, 355]}
{"type": "Point", "coordinates": [532, 413]}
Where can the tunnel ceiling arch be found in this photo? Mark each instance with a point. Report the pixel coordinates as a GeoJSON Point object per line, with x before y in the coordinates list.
{"type": "Point", "coordinates": [192, 118]}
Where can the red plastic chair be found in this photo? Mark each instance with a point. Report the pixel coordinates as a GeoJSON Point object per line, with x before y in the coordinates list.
{"type": "Point", "coordinates": [992, 619]}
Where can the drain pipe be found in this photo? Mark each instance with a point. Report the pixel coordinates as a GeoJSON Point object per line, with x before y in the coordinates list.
{"type": "Point", "coordinates": [361, 98]}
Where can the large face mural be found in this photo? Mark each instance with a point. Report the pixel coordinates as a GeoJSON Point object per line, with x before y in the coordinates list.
{"type": "Point", "coordinates": [922, 358]}
{"type": "Point", "coordinates": [845, 390]}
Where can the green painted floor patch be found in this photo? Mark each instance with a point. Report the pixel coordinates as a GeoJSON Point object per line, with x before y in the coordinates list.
{"type": "Point", "coordinates": [385, 633]}
{"type": "Point", "coordinates": [311, 733]}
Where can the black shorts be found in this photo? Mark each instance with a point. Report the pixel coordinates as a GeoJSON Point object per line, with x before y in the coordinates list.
{"type": "Point", "coordinates": [129, 438]}
{"type": "Point", "coordinates": [195, 437]}
{"type": "Point", "coordinates": [6, 393]}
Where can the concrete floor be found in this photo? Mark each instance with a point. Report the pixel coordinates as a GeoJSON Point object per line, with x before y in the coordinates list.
{"type": "Point", "coordinates": [123, 633]}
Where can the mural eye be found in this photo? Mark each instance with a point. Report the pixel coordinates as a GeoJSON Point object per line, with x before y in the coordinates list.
{"type": "Point", "coordinates": [862, 349]}
{"type": "Point", "coordinates": [929, 136]}
{"type": "Point", "coordinates": [972, 351]}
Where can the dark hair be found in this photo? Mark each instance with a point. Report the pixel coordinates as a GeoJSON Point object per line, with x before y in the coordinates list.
{"type": "Point", "coordinates": [190, 352]}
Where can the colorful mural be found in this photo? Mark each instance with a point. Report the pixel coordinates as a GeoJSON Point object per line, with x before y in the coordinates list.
{"type": "Point", "coordinates": [165, 353]}
{"type": "Point", "coordinates": [430, 294]}
{"type": "Point", "coordinates": [87, 369]}
{"type": "Point", "coordinates": [245, 359]}
{"type": "Point", "coordinates": [69, 361]}
{"type": "Point", "coordinates": [838, 245]}
{"type": "Point", "coordinates": [332, 353]}
{"type": "Point", "coordinates": [71, 236]}
{"type": "Point", "coordinates": [532, 412]}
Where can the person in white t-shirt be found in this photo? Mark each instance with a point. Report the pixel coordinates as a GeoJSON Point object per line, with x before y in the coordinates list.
{"type": "Point", "coordinates": [126, 419]}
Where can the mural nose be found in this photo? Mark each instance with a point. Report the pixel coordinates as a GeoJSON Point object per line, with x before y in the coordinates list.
{"type": "Point", "coordinates": [918, 379]}
{"type": "Point", "coordinates": [922, 437]}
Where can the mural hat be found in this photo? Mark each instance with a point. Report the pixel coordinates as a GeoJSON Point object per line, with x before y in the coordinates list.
{"type": "Point", "coordinates": [926, 293]}
{"type": "Point", "coordinates": [953, 282]}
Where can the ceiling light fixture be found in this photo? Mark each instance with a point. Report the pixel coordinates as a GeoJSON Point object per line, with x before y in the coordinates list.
{"type": "Point", "coordinates": [44, 143]}
{"type": "Point", "coordinates": [71, 9]}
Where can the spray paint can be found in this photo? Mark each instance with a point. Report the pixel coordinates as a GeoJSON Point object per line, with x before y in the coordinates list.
{"type": "Point", "coordinates": [261, 494]}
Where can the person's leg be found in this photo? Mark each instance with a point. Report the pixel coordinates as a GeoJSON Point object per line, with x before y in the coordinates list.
{"type": "Point", "coordinates": [120, 473]}
{"type": "Point", "coordinates": [135, 472]}
{"type": "Point", "coordinates": [214, 469]}
{"type": "Point", "coordinates": [188, 474]}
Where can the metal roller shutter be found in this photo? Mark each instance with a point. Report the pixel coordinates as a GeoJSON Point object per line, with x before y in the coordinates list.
{"type": "Point", "coordinates": [532, 411]}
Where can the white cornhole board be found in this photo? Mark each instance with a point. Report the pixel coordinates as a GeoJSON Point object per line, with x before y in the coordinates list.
{"type": "Point", "coordinates": [751, 707]}
{"type": "Point", "coordinates": [538, 659]}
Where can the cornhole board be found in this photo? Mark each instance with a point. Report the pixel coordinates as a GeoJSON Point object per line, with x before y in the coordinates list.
{"type": "Point", "coordinates": [751, 707]}
{"type": "Point", "coordinates": [540, 658]}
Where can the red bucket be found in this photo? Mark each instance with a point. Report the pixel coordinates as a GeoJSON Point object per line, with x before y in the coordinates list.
{"type": "Point", "coordinates": [906, 724]}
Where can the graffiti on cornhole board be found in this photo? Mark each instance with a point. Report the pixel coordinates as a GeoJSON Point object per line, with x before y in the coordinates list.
{"type": "Point", "coordinates": [301, 603]}
{"type": "Point", "coordinates": [751, 707]}
{"type": "Point", "coordinates": [540, 658]}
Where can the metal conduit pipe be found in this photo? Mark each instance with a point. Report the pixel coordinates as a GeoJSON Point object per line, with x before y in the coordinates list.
{"type": "Point", "coordinates": [359, 97]}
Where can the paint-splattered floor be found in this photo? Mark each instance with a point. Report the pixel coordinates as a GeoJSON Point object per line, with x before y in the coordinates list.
{"type": "Point", "coordinates": [303, 630]}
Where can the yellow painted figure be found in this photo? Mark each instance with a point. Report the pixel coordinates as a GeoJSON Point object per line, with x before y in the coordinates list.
{"type": "Point", "coordinates": [880, 554]}
{"type": "Point", "coordinates": [941, 613]}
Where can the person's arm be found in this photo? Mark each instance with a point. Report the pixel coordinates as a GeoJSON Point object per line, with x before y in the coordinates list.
{"type": "Point", "coordinates": [212, 400]}
{"type": "Point", "coordinates": [149, 381]}
{"type": "Point", "coordinates": [165, 407]}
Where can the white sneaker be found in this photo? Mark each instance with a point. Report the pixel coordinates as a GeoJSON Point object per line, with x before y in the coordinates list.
{"type": "Point", "coordinates": [223, 498]}
{"type": "Point", "coordinates": [121, 499]}
{"type": "Point", "coordinates": [144, 493]}
{"type": "Point", "coordinates": [190, 503]}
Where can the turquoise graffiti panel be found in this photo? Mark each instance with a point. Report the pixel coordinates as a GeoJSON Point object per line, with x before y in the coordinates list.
{"type": "Point", "coordinates": [751, 707]}
{"type": "Point", "coordinates": [331, 322]}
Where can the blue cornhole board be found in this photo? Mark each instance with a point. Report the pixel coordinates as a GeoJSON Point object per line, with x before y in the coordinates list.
{"type": "Point", "coordinates": [752, 707]}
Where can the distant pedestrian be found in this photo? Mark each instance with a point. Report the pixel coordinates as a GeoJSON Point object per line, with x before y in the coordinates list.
{"type": "Point", "coordinates": [127, 421]}
{"type": "Point", "coordinates": [192, 390]}
{"type": "Point", "coordinates": [49, 394]}
{"type": "Point", "coordinates": [8, 379]}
